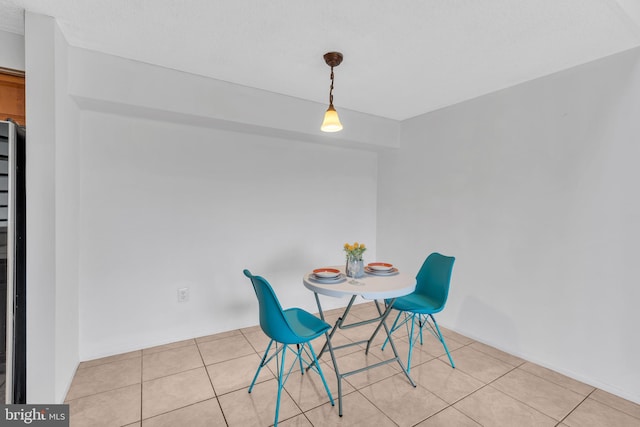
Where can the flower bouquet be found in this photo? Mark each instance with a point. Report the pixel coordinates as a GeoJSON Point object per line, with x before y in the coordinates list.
{"type": "Point", "coordinates": [355, 264]}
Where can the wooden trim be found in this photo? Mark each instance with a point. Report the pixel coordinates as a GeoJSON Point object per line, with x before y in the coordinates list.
{"type": "Point", "coordinates": [11, 72]}
{"type": "Point", "coordinates": [12, 79]}
{"type": "Point", "coordinates": [12, 95]}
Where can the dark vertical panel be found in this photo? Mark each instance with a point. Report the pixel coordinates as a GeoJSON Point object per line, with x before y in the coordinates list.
{"type": "Point", "coordinates": [4, 252]}
{"type": "Point", "coordinates": [13, 260]}
{"type": "Point", "coordinates": [20, 274]}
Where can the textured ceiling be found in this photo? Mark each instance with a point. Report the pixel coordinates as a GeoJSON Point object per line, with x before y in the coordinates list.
{"type": "Point", "coordinates": [402, 58]}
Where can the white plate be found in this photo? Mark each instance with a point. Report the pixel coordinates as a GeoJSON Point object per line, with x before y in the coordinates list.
{"type": "Point", "coordinates": [327, 280]}
{"type": "Point", "coordinates": [326, 273]}
{"type": "Point", "coordinates": [380, 266]}
{"type": "Point", "coordinates": [381, 273]}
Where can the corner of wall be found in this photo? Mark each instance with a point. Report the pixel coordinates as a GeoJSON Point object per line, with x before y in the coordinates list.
{"type": "Point", "coordinates": [11, 51]}
{"type": "Point", "coordinates": [52, 251]}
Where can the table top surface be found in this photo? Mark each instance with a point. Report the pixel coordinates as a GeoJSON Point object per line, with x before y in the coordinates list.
{"type": "Point", "coordinates": [369, 286]}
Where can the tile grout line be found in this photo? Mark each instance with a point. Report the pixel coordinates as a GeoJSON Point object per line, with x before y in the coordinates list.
{"type": "Point", "coordinates": [172, 410]}
{"type": "Point", "coordinates": [588, 395]}
{"type": "Point", "coordinates": [177, 409]}
{"type": "Point", "coordinates": [576, 407]}
{"type": "Point", "coordinates": [357, 390]}
{"type": "Point", "coordinates": [100, 392]}
{"type": "Point", "coordinates": [180, 372]}
{"type": "Point", "coordinates": [81, 368]}
{"type": "Point", "coordinates": [380, 409]}
{"type": "Point", "coordinates": [215, 394]}
{"type": "Point", "coordinates": [252, 346]}
{"type": "Point", "coordinates": [513, 367]}
{"type": "Point", "coordinates": [526, 403]}
{"type": "Point", "coordinates": [449, 405]}
{"type": "Point", "coordinates": [484, 385]}
{"type": "Point", "coordinates": [608, 405]}
{"type": "Point", "coordinates": [555, 383]}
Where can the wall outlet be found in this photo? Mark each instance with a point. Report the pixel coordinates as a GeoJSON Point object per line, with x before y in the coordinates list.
{"type": "Point", "coordinates": [183, 294]}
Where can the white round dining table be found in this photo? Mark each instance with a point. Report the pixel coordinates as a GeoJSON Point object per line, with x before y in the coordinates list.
{"type": "Point", "coordinates": [377, 287]}
{"type": "Point", "coordinates": [371, 287]}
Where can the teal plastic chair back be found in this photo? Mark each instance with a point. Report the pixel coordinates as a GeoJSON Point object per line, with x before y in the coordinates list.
{"type": "Point", "coordinates": [429, 298]}
{"type": "Point", "coordinates": [434, 278]}
{"type": "Point", "coordinates": [287, 327]}
{"type": "Point", "coordinates": [272, 319]}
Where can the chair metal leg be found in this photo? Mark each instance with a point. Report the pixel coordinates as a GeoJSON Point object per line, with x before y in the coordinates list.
{"type": "Point", "coordinates": [283, 374]}
{"type": "Point", "coordinates": [409, 332]}
{"type": "Point", "coordinates": [441, 338]}
{"type": "Point", "coordinates": [412, 341]}
{"type": "Point", "coordinates": [300, 357]}
{"type": "Point", "coordinates": [280, 384]}
{"type": "Point", "coordinates": [262, 363]}
{"type": "Point", "coordinates": [422, 320]}
{"type": "Point", "coordinates": [317, 364]}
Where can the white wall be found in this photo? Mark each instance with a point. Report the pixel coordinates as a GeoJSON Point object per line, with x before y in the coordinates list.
{"type": "Point", "coordinates": [40, 184]}
{"type": "Point", "coordinates": [11, 50]}
{"type": "Point", "coordinates": [534, 190]}
{"type": "Point", "coordinates": [52, 215]}
{"type": "Point", "coordinates": [67, 211]}
{"type": "Point", "coordinates": [166, 206]}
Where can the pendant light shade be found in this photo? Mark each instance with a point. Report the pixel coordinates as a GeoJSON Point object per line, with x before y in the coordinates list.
{"type": "Point", "coordinates": [331, 122]}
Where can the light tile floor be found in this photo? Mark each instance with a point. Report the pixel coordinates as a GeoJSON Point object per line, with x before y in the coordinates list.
{"type": "Point", "coordinates": [204, 381]}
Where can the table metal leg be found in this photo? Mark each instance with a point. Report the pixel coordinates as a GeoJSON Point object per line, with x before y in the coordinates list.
{"type": "Point", "coordinates": [383, 317]}
{"type": "Point", "coordinates": [393, 346]}
{"type": "Point", "coordinates": [340, 324]}
{"type": "Point", "coordinates": [328, 344]}
{"type": "Point", "coordinates": [315, 294]}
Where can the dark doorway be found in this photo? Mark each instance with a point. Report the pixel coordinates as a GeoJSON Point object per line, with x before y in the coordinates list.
{"type": "Point", "coordinates": [12, 263]}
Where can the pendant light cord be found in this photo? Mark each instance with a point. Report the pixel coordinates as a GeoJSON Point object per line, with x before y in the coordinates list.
{"type": "Point", "coordinates": [331, 89]}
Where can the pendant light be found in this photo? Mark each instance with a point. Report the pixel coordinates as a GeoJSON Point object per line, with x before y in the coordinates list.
{"type": "Point", "coordinates": [331, 122]}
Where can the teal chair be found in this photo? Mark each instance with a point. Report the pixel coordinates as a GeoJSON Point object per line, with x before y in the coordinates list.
{"type": "Point", "coordinates": [429, 298]}
{"type": "Point", "coordinates": [287, 327]}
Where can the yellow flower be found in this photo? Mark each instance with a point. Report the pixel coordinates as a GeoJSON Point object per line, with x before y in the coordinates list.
{"type": "Point", "coordinates": [355, 250]}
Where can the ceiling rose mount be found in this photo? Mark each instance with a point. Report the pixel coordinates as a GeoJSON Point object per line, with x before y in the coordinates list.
{"type": "Point", "coordinates": [331, 122]}
{"type": "Point", "coordinates": [333, 59]}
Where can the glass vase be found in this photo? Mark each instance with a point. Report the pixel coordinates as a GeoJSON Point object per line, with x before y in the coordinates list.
{"type": "Point", "coordinates": [355, 268]}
